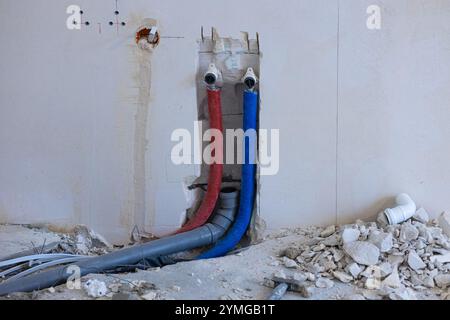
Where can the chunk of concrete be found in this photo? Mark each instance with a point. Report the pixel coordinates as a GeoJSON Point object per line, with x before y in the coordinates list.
{"type": "Point", "coordinates": [414, 261]}
{"type": "Point", "coordinates": [395, 259]}
{"type": "Point", "coordinates": [385, 269]}
{"type": "Point", "coordinates": [440, 258]}
{"type": "Point", "coordinates": [354, 269]}
{"type": "Point", "coordinates": [350, 235]}
{"type": "Point", "coordinates": [328, 264]}
{"type": "Point", "coordinates": [328, 231]}
{"type": "Point", "coordinates": [428, 281]}
{"type": "Point", "coordinates": [382, 240]}
{"type": "Point", "coordinates": [304, 290]}
{"type": "Point", "coordinates": [372, 295]}
{"type": "Point", "coordinates": [299, 277]}
{"type": "Point", "coordinates": [150, 295]}
{"type": "Point", "coordinates": [280, 275]}
{"type": "Point", "coordinates": [87, 239]}
{"type": "Point", "coordinates": [338, 255]}
{"type": "Point", "coordinates": [289, 263]}
{"type": "Point", "coordinates": [408, 232]}
{"type": "Point", "coordinates": [393, 280]}
{"type": "Point", "coordinates": [442, 280]}
{"type": "Point", "coordinates": [355, 296]}
{"type": "Point", "coordinates": [324, 283]}
{"type": "Point", "coordinates": [372, 272]}
{"type": "Point", "coordinates": [292, 252]}
{"type": "Point", "coordinates": [444, 222]}
{"type": "Point", "coordinates": [95, 288]}
{"type": "Point", "coordinates": [296, 283]}
{"type": "Point", "coordinates": [372, 284]}
{"type": "Point", "coordinates": [422, 216]}
{"type": "Point", "coordinates": [332, 241]}
{"type": "Point", "coordinates": [363, 252]}
{"type": "Point", "coordinates": [403, 294]}
{"type": "Point", "coordinates": [342, 276]}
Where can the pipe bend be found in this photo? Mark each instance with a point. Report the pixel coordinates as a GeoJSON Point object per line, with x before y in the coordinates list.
{"type": "Point", "coordinates": [242, 221]}
{"type": "Point", "coordinates": [404, 210]}
{"type": "Point", "coordinates": [202, 236]}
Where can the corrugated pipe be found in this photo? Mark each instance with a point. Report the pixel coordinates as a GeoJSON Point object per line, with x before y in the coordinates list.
{"type": "Point", "coordinates": [247, 195]}
{"type": "Point", "coordinates": [215, 169]}
{"type": "Point", "coordinates": [203, 236]}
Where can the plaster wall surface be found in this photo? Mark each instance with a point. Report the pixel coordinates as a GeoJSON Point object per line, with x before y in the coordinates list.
{"type": "Point", "coordinates": [86, 118]}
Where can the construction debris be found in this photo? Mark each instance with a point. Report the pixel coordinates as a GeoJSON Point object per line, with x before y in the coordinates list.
{"type": "Point", "coordinates": [391, 261]}
{"type": "Point", "coordinates": [289, 263]}
{"type": "Point", "coordinates": [95, 288]}
{"type": "Point", "coordinates": [442, 280]}
{"type": "Point", "coordinates": [324, 283]}
{"type": "Point", "coordinates": [414, 261]}
{"type": "Point", "coordinates": [366, 260]}
{"type": "Point", "coordinates": [444, 223]}
{"type": "Point", "coordinates": [382, 240]}
{"type": "Point", "coordinates": [422, 216]}
{"type": "Point", "coordinates": [85, 241]}
{"type": "Point", "coordinates": [350, 235]}
{"type": "Point", "coordinates": [74, 246]}
{"type": "Point", "coordinates": [151, 295]}
{"type": "Point", "coordinates": [328, 231]}
{"type": "Point", "coordinates": [362, 252]}
{"type": "Point", "coordinates": [293, 284]}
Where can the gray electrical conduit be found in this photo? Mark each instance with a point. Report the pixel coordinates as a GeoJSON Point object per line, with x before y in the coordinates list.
{"type": "Point", "coordinates": [46, 257]}
{"type": "Point", "coordinates": [202, 236]}
{"type": "Point", "coordinates": [29, 252]}
{"type": "Point", "coordinates": [13, 269]}
{"type": "Point", "coordinates": [44, 266]}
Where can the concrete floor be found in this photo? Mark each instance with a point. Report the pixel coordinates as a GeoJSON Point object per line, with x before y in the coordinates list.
{"type": "Point", "coordinates": [17, 238]}
{"type": "Point", "coordinates": [235, 277]}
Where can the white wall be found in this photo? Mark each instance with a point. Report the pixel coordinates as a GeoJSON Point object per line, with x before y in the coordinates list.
{"type": "Point", "coordinates": [394, 115]}
{"type": "Point", "coordinates": [362, 114]}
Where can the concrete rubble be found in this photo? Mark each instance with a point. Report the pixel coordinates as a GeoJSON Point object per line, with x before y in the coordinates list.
{"type": "Point", "coordinates": [362, 252]}
{"type": "Point", "coordinates": [392, 261]}
{"type": "Point", "coordinates": [362, 260]}
{"type": "Point", "coordinates": [85, 241]}
{"type": "Point", "coordinates": [444, 223]}
{"type": "Point", "coordinates": [95, 288]}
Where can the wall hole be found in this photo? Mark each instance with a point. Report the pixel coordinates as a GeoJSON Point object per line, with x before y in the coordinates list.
{"type": "Point", "coordinates": [144, 33]}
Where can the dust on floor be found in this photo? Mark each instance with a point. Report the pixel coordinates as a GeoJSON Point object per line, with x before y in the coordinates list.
{"type": "Point", "coordinates": [248, 274]}
{"type": "Point", "coordinates": [239, 276]}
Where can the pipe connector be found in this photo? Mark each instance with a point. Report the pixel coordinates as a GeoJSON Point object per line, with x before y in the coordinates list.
{"type": "Point", "coordinates": [404, 210]}
{"type": "Point", "coordinates": [224, 216]}
{"type": "Point", "coordinates": [153, 34]}
{"type": "Point", "coordinates": [229, 198]}
{"type": "Point", "coordinates": [250, 80]}
{"type": "Point", "coordinates": [147, 36]}
{"type": "Point", "coordinates": [213, 76]}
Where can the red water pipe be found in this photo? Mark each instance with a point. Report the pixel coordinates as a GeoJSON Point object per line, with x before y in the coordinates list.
{"type": "Point", "coordinates": [215, 169]}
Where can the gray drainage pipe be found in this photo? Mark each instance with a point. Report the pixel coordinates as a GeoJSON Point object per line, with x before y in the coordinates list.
{"type": "Point", "coordinates": [202, 236]}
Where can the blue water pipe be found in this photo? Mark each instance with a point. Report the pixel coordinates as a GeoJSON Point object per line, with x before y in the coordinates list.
{"type": "Point", "coordinates": [247, 194]}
